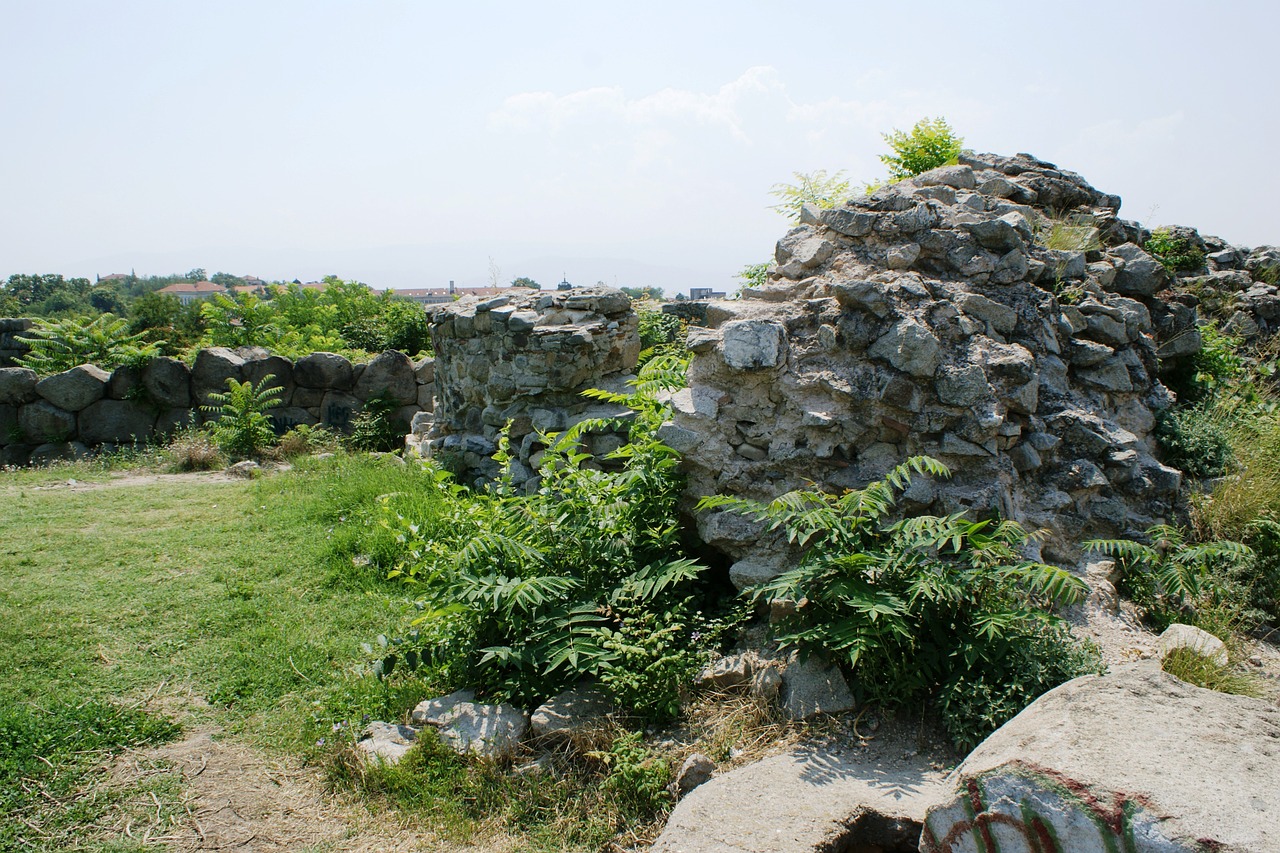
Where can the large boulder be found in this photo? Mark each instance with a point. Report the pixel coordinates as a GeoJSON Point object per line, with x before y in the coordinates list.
{"type": "Point", "coordinates": [42, 422]}
{"type": "Point", "coordinates": [326, 370]}
{"type": "Point", "coordinates": [17, 385]}
{"type": "Point", "coordinates": [579, 709]}
{"type": "Point", "coordinates": [804, 802]}
{"type": "Point", "coordinates": [279, 368]}
{"type": "Point", "coordinates": [117, 421]}
{"type": "Point", "coordinates": [1135, 760]}
{"type": "Point", "coordinates": [212, 368]}
{"type": "Point", "coordinates": [470, 727]}
{"type": "Point", "coordinates": [168, 383]}
{"type": "Point", "coordinates": [390, 374]}
{"type": "Point", "coordinates": [76, 388]}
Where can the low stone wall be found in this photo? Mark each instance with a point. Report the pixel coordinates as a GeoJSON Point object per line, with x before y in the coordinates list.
{"type": "Point", "coordinates": [68, 414]}
{"type": "Point", "coordinates": [12, 349]}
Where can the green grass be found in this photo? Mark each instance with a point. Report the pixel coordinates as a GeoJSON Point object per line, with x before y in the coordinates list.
{"type": "Point", "coordinates": [229, 590]}
{"type": "Point", "coordinates": [1203, 671]}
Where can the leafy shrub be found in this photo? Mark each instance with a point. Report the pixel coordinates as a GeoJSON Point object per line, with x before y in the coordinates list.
{"type": "Point", "coordinates": [376, 429]}
{"type": "Point", "coordinates": [1177, 254]}
{"type": "Point", "coordinates": [660, 334]}
{"type": "Point", "coordinates": [754, 275]}
{"type": "Point", "coordinates": [973, 706]}
{"type": "Point", "coordinates": [636, 778]}
{"type": "Point", "coordinates": [525, 594]}
{"type": "Point", "coordinates": [917, 607]}
{"type": "Point", "coordinates": [304, 439]}
{"type": "Point", "coordinates": [816, 188]}
{"type": "Point", "coordinates": [930, 144]}
{"type": "Point", "coordinates": [243, 430]}
{"type": "Point", "coordinates": [1195, 441]}
{"type": "Point", "coordinates": [58, 345]}
{"type": "Point", "coordinates": [1170, 577]}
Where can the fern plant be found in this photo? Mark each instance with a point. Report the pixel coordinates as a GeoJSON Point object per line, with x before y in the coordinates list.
{"type": "Point", "coordinates": [1169, 577]}
{"type": "Point", "coordinates": [915, 607]}
{"type": "Point", "coordinates": [58, 345]}
{"type": "Point", "coordinates": [243, 429]}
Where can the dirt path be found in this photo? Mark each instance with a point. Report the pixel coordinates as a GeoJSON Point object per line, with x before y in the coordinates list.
{"type": "Point", "coordinates": [231, 797]}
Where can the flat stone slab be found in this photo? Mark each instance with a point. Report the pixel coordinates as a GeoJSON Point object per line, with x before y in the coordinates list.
{"type": "Point", "coordinates": [1135, 760]}
{"type": "Point", "coordinates": [806, 801]}
{"type": "Point", "coordinates": [470, 727]}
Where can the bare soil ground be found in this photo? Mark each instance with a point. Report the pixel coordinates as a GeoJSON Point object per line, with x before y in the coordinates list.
{"type": "Point", "coordinates": [232, 797]}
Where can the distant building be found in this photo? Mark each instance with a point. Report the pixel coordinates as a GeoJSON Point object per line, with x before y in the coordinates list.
{"type": "Point", "coordinates": [440, 295]}
{"type": "Point", "coordinates": [696, 293]}
{"type": "Point", "coordinates": [115, 276]}
{"type": "Point", "coordinates": [193, 291]}
{"type": "Point", "coordinates": [564, 285]}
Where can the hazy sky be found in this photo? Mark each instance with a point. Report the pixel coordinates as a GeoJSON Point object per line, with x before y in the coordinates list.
{"type": "Point", "coordinates": [407, 143]}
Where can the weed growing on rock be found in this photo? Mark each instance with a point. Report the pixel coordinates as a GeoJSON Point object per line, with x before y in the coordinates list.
{"type": "Point", "coordinates": [376, 428]}
{"type": "Point", "coordinates": [928, 145]}
{"type": "Point", "coordinates": [1177, 254]}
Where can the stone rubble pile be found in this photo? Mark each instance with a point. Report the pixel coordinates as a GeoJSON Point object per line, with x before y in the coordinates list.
{"type": "Point", "coordinates": [930, 318]}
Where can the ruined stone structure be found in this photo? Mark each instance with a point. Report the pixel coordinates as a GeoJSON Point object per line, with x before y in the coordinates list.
{"type": "Point", "coordinates": [929, 317]}
{"type": "Point", "coordinates": [523, 359]}
{"type": "Point", "coordinates": [68, 414]}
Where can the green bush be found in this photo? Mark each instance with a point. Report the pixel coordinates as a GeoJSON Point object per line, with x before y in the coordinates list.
{"type": "Point", "coordinates": [1177, 254]}
{"type": "Point", "coordinates": [917, 608]}
{"type": "Point", "coordinates": [817, 188]}
{"type": "Point", "coordinates": [376, 429]}
{"type": "Point", "coordinates": [243, 429]}
{"type": "Point", "coordinates": [1195, 441]}
{"type": "Point", "coordinates": [930, 144]}
{"type": "Point", "coordinates": [974, 705]}
{"type": "Point", "coordinates": [105, 341]}
{"type": "Point", "coordinates": [637, 779]}
{"type": "Point", "coordinates": [1170, 577]}
{"type": "Point", "coordinates": [526, 594]}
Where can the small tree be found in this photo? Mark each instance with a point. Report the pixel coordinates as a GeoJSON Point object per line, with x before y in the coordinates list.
{"type": "Point", "coordinates": [243, 428]}
{"type": "Point", "coordinates": [930, 144]}
{"type": "Point", "coordinates": [810, 188]}
{"type": "Point", "coordinates": [525, 281]}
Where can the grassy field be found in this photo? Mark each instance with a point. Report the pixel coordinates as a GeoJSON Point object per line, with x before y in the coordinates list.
{"type": "Point", "coordinates": [115, 592]}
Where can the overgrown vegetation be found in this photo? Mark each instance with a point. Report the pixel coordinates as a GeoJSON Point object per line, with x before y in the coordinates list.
{"type": "Point", "coordinates": [523, 594]}
{"type": "Point", "coordinates": [1194, 668]}
{"type": "Point", "coordinates": [928, 145]}
{"type": "Point", "coordinates": [931, 608]}
{"type": "Point", "coordinates": [104, 341]}
{"type": "Point", "coordinates": [344, 317]}
{"type": "Point", "coordinates": [1177, 254]}
{"type": "Point", "coordinates": [243, 429]}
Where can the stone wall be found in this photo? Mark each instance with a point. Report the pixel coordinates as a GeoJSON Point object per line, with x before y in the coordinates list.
{"type": "Point", "coordinates": [523, 358]}
{"type": "Point", "coordinates": [926, 318]}
{"type": "Point", "coordinates": [11, 348]}
{"type": "Point", "coordinates": [68, 414]}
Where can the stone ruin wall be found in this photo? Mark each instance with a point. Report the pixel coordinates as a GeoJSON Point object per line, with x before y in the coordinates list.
{"type": "Point", "coordinates": [925, 318]}
{"type": "Point", "coordinates": [68, 414]}
{"type": "Point", "coordinates": [523, 358]}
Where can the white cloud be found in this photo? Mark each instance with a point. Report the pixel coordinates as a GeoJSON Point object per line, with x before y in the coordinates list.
{"type": "Point", "coordinates": [530, 111]}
